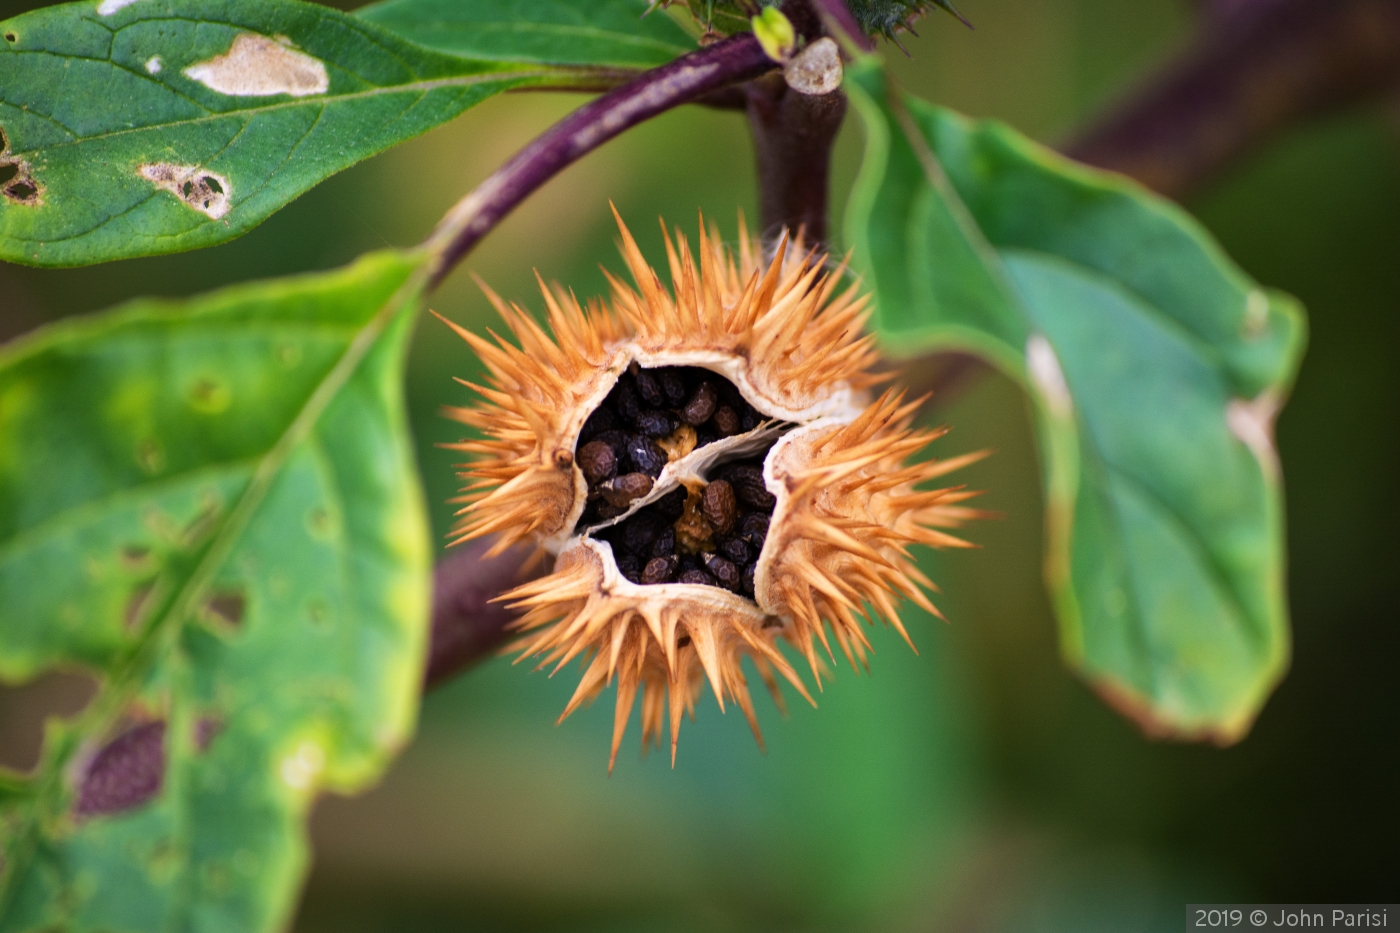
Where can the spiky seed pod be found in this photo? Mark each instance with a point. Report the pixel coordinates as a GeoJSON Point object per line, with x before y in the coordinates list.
{"type": "Point", "coordinates": [710, 472]}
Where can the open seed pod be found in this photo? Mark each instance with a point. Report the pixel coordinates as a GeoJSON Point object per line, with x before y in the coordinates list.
{"type": "Point", "coordinates": [710, 472]}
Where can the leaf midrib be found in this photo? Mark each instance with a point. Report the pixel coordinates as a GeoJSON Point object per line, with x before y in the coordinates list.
{"type": "Point", "coordinates": [421, 87]}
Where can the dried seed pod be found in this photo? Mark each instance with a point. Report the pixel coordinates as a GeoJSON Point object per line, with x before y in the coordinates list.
{"type": "Point", "coordinates": [821, 499]}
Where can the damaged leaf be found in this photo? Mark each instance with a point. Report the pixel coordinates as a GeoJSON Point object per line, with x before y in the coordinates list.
{"type": "Point", "coordinates": [213, 506]}
{"type": "Point", "coordinates": [109, 111]}
{"type": "Point", "coordinates": [600, 33]}
{"type": "Point", "coordinates": [1141, 345]}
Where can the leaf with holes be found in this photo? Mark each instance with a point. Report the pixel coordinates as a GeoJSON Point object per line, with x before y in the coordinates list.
{"type": "Point", "coordinates": [136, 127]}
{"type": "Point", "coordinates": [599, 33]}
{"type": "Point", "coordinates": [1156, 368]}
{"type": "Point", "coordinates": [212, 506]}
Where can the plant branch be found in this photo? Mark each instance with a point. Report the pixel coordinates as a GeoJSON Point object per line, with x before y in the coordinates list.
{"type": "Point", "coordinates": [1256, 68]}
{"type": "Point", "coordinates": [689, 77]}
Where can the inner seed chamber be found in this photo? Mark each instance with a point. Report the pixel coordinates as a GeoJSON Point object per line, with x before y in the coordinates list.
{"type": "Point", "coordinates": [707, 527]}
{"type": "Point", "coordinates": [712, 474]}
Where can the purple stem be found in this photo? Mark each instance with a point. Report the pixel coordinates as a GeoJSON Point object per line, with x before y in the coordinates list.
{"type": "Point", "coordinates": [737, 58]}
{"type": "Point", "coordinates": [1256, 68]}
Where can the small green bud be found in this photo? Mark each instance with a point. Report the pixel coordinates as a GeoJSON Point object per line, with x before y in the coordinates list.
{"type": "Point", "coordinates": [775, 33]}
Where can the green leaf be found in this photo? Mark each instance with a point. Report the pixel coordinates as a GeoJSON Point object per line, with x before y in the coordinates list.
{"type": "Point", "coordinates": [1156, 367]}
{"type": "Point", "coordinates": [213, 507]}
{"type": "Point", "coordinates": [136, 127]}
{"type": "Point", "coordinates": [601, 33]}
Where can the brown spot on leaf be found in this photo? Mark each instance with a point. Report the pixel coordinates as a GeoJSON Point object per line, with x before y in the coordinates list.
{"type": "Point", "coordinates": [135, 556]}
{"type": "Point", "coordinates": [226, 607]}
{"type": "Point", "coordinates": [124, 773]}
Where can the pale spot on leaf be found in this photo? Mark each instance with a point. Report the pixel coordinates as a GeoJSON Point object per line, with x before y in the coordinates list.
{"type": "Point", "coordinates": [1252, 422]}
{"type": "Point", "coordinates": [258, 66]}
{"type": "Point", "coordinates": [206, 192]}
{"type": "Point", "coordinates": [108, 7]}
{"type": "Point", "coordinates": [153, 65]}
{"type": "Point", "coordinates": [299, 769]}
{"type": "Point", "coordinates": [1044, 368]}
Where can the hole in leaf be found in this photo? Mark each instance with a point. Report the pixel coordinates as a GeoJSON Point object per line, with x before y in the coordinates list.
{"type": "Point", "coordinates": [213, 184]}
{"type": "Point", "coordinates": [226, 607]}
{"type": "Point", "coordinates": [8, 170]}
{"type": "Point", "coordinates": [136, 605]}
{"type": "Point", "coordinates": [23, 711]}
{"type": "Point", "coordinates": [22, 191]}
{"type": "Point", "coordinates": [127, 771]}
{"type": "Point", "coordinates": [11, 37]}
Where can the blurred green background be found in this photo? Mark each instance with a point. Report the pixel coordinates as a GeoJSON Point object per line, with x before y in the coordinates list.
{"type": "Point", "coordinates": [978, 786]}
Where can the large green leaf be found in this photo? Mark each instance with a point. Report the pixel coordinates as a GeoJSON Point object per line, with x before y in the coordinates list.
{"type": "Point", "coordinates": [603, 33]}
{"type": "Point", "coordinates": [135, 127]}
{"type": "Point", "coordinates": [1156, 367]}
{"type": "Point", "coordinates": [211, 506]}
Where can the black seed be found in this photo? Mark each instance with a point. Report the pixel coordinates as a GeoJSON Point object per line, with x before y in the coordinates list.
{"type": "Point", "coordinates": [696, 576]}
{"type": "Point", "coordinates": [615, 439]}
{"type": "Point", "coordinates": [748, 487]}
{"type": "Point", "coordinates": [655, 423]}
{"type": "Point", "coordinates": [734, 549]}
{"type": "Point", "coordinates": [683, 641]}
{"type": "Point", "coordinates": [659, 570]}
{"type": "Point", "coordinates": [719, 507]}
{"type": "Point", "coordinates": [640, 531]}
{"type": "Point", "coordinates": [645, 456]}
{"type": "Point", "coordinates": [598, 462]}
{"type": "Point", "coordinates": [725, 572]}
{"type": "Point", "coordinates": [748, 419]}
{"type": "Point", "coordinates": [726, 421]}
{"type": "Point", "coordinates": [649, 388]}
{"type": "Point", "coordinates": [607, 510]}
{"type": "Point", "coordinates": [665, 543]}
{"type": "Point", "coordinates": [701, 405]}
{"type": "Point", "coordinates": [630, 567]}
{"type": "Point", "coordinates": [754, 528]}
{"type": "Point", "coordinates": [703, 437]}
{"type": "Point", "coordinates": [624, 398]}
{"type": "Point", "coordinates": [623, 489]}
{"type": "Point", "coordinates": [672, 505]}
{"type": "Point", "coordinates": [729, 394]}
{"type": "Point", "coordinates": [602, 419]}
{"type": "Point", "coordinates": [746, 581]}
{"type": "Point", "coordinates": [672, 386]}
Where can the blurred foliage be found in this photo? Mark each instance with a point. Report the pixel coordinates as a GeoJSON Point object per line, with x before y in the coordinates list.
{"type": "Point", "coordinates": [979, 786]}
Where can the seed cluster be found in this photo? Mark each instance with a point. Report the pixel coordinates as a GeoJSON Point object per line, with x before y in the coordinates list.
{"type": "Point", "coordinates": [711, 534]}
{"type": "Point", "coordinates": [651, 417]}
